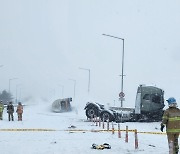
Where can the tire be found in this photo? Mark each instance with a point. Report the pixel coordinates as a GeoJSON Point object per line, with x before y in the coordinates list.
{"type": "Point", "coordinates": [143, 118]}
{"type": "Point", "coordinates": [91, 112]}
{"type": "Point", "coordinates": [107, 116]}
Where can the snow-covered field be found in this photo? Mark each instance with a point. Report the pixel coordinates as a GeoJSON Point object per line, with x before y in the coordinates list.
{"type": "Point", "coordinates": [61, 141]}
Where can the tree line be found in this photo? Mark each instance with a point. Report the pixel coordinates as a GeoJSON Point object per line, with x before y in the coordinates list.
{"type": "Point", "coordinates": [6, 97]}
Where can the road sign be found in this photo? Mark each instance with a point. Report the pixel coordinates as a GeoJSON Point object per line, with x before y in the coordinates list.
{"type": "Point", "coordinates": [121, 99]}
{"type": "Point", "coordinates": [121, 94]}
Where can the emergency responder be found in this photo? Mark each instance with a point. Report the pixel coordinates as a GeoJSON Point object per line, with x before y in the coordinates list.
{"type": "Point", "coordinates": [171, 119]}
{"type": "Point", "coordinates": [1, 110]}
{"type": "Point", "coordinates": [10, 111]}
{"type": "Point", "coordinates": [19, 111]}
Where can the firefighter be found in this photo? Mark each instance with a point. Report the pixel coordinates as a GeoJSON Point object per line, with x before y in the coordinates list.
{"type": "Point", "coordinates": [19, 111]}
{"type": "Point", "coordinates": [171, 119]}
{"type": "Point", "coordinates": [1, 110]}
{"type": "Point", "coordinates": [10, 111]}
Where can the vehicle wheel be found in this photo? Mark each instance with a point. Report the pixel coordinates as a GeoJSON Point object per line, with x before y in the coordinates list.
{"type": "Point", "coordinates": [143, 118]}
{"type": "Point", "coordinates": [107, 116]}
{"type": "Point", "coordinates": [91, 112]}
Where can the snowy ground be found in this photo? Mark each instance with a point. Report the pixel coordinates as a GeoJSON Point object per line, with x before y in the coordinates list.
{"type": "Point", "coordinates": [61, 141]}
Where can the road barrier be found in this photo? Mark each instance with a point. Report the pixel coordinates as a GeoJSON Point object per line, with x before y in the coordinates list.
{"type": "Point", "coordinates": [112, 127]}
{"type": "Point", "coordinates": [107, 125]}
{"type": "Point", "coordinates": [96, 120]}
{"type": "Point", "coordinates": [103, 124]}
{"type": "Point", "coordinates": [136, 139]}
{"type": "Point", "coordinates": [99, 122]}
{"type": "Point", "coordinates": [126, 138]}
{"type": "Point", "coordinates": [119, 131]}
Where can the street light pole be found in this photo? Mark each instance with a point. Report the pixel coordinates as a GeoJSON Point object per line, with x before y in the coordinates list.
{"type": "Point", "coordinates": [62, 89]}
{"type": "Point", "coordinates": [74, 86]}
{"type": "Point", "coordinates": [10, 83]}
{"type": "Point", "coordinates": [122, 69]}
{"type": "Point", "coordinates": [17, 90]}
{"type": "Point", "coordinates": [88, 79]}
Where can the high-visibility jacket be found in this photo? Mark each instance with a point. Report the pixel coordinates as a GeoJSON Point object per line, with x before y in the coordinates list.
{"type": "Point", "coordinates": [19, 109]}
{"type": "Point", "coordinates": [1, 107]}
{"type": "Point", "coordinates": [171, 118]}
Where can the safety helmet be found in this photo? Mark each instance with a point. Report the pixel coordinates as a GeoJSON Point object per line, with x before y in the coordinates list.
{"type": "Point", "coordinates": [171, 100]}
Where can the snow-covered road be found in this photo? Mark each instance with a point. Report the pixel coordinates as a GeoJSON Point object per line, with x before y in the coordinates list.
{"type": "Point", "coordinates": [61, 141]}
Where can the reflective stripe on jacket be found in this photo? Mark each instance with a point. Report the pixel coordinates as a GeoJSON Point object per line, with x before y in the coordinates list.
{"type": "Point", "coordinates": [1, 107]}
{"type": "Point", "coordinates": [171, 118]}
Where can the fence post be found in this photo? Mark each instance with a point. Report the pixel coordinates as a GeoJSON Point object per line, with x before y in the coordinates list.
{"type": "Point", "coordinates": [112, 127]}
{"type": "Point", "coordinates": [126, 138]}
{"type": "Point", "coordinates": [103, 123]}
{"type": "Point", "coordinates": [119, 131]}
{"type": "Point", "coordinates": [136, 139]}
{"type": "Point", "coordinates": [96, 121]}
{"type": "Point", "coordinates": [99, 122]}
{"type": "Point", "coordinates": [108, 125]}
{"type": "Point", "coordinates": [91, 118]}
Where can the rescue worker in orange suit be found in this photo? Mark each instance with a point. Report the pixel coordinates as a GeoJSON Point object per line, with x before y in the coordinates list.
{"type": "Point", "coordinates": [10, 111]}
{"type": "Point", "coordinates": [19, 111]}
{"type": "Point", "coordinates": [1, 110]}
{"type": "Point", "coordinates": [171, 119]}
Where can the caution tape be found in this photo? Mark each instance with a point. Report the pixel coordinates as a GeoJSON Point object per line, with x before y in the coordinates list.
{"type": "Point", "coordinates": [76, 130]}
{"type": "Point", "coordinates": [102, 130]}
{"type": "Point", "coordinates": [27, 129]}
{"type": "Point", "coordinates": [152, 133]}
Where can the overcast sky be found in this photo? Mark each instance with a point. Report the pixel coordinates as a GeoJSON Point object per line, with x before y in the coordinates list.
{"type": "Point", "coordinates": [44, 42]}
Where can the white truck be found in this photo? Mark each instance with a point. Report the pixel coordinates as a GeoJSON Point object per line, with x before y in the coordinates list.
{"type": "Point", "coordinates": [149, 106]}
{"type": "Point", "coordinates": [62, 105]}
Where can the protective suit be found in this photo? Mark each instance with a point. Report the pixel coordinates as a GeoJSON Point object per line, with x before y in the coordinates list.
{"type": "Point", "coordinates": [171, 119]}
{"type": "Point", "coordinates": [1, 110]}
{"type": "Point", "coordinates": [19, 111]}
{"type": "Point", "coordinates": [10, 111]}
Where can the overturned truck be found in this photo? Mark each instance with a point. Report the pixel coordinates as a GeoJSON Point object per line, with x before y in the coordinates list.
{"type": "Point", "coordinates": [62, 105]}
{"type": "Point", "coordinates": [149, 106]}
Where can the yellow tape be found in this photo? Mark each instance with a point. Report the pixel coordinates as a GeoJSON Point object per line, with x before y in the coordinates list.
{"type": "Point", "coordinates": [26, 129]}
{"type": "Point", "coordinates": [102, 130]}
{"type": "Point", "coordinates": [152, 133]}
{"type": "Point", "coordinates": [78, 130]}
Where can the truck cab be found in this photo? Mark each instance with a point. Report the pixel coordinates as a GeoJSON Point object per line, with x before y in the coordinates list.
{"type": "Point", "coordinates": [149, 104]}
